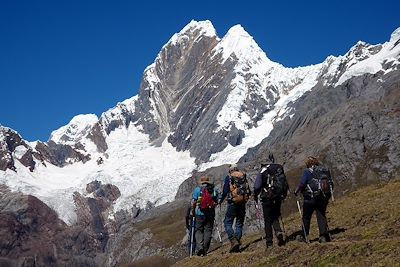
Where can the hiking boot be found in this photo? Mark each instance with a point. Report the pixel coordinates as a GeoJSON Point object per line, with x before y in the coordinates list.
{"type": "Point", "coordinates": [281, 239]}
{"type": "Point", "coordinates": [200, 253]}
{"type": "Point", "coordinates": [234, 245]}
{"type": "Point", "coordinates": [323, 239]}
{"type": "Point", "coordinates": [300, 239]}
{"type": "Point", "coordinates": [268, 246]}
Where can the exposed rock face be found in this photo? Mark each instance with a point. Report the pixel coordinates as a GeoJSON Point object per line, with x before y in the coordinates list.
{"type": "Point", "coordinates": [12, 148]}
{"type": "Point", "coordinates": [156, 232]}
{"type": "Point", "coordinates": [60, 155]}
{"type": "Point", "coordinates": [353, 128]}
{"type": "Point", "coordinates": [98, 138]}
{"type": "Point", "coordinates": [185, 98]}
{"type": "Point", "coordinates": [6, 160]}
{"type": "Point", "coordinates": [32, 235]}
{"type": "Point", "coordinates": [129, 245]}
{"type": "Point", "coordinates": [194, 78]}
{"type": "Point", "coordinates": [93, 211]}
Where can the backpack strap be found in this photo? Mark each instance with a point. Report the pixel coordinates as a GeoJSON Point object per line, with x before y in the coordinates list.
{"type": "Point", "coordinates": [267, 180]}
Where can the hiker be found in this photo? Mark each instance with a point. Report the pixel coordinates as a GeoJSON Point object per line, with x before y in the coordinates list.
{"type": "Point", "coordinates": [271, 185]}
{"type": "Point", "coordinates": [238, 191]}
{"type": "Point", "coordinates": [189, 219]}
{"type": "Point", "coordinates": [315, 198]}
{"type": "Point", "coordinates": [205, 197]}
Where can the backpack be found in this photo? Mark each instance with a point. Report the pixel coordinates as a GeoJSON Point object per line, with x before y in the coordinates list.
{"type": "Point", "coordinates": [206, 198]}
{"type": "Point", "coordinates": [321, 181]}
{"type": "Point", "coordinates": [239, 187]}
{"type": "Point", "coordinates": [274, 183]}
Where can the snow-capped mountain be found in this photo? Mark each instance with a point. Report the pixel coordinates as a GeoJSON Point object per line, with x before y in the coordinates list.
{"type": "Point", "coordinates": [203, 102]}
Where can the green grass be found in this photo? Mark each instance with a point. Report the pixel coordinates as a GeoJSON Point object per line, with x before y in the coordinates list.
{"type": "Point", "coordinates": [168, 228]}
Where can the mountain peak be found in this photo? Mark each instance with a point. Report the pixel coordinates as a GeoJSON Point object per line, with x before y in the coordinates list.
{"type": "Point", "coordinates": [205, 26]}
{"type": "Point", "coordinates": [199, 28]}
{"type": "Point", "coordinates": [395, 36]}
{"type": "Point", "coordinates": [4, 129]}
{"type": "Point", "coordinates": [239, 42]}
{"type": "Point", "coordinates": [75, 129]}
{"type": "Point", "coordinates": [238, 31]}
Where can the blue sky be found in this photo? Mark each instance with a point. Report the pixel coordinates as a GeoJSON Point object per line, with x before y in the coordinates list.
{"type": "Point", "coordinates": [59, 59]}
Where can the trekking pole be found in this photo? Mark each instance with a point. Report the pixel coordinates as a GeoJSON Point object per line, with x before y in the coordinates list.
{"type": "Point", "coordinates": [218, 232]}
{"type": "Point", "coordinates": [221, 218]}
{"type": "Point", "coordinates": [333, 198]}
{"type": "Point", "coordinates": [302, 222]}
{"type": "Point", "coordinates": [283, 225]}
{"type": "Point", "coordinates": [216, 225]}
{"type": "Point", "coordinates": [192, 237]}
{"type": "Point", "coordinates": [258, 215]}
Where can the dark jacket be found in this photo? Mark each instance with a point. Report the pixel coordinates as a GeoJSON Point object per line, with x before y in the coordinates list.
{"type": "Point", "coordinates": [270, 192]}
{"type": "Point", "coordinates": [304, 181]}
{"type": "Point", "coordinates": [304, 185]}
{"type": "Point", "coordinates": [258, 184]}
{"type": "Point", "coordinates": [226, 188]}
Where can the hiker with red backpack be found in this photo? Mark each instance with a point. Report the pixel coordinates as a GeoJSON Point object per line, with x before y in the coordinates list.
{"type": "Point", "coordinates": [205, 197]}
{"type": "Point", "coordinates": [271, 187]}
{"type": "Point", "coordinates": [238, 191]}
{"type": "Point", "coordinates": [316, 185]}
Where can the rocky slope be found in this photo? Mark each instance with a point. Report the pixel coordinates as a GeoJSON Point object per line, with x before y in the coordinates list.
{"type": "Point", "coordinates": [353, 127]}
{"type": "Point", "coordinates": [31, 234]}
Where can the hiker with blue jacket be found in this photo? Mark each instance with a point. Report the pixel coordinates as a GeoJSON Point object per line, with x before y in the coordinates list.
{"type": "Point", "coordinates": [238, 191]}
{"type": "Point", "coordinates": [205, 197]}
{"type": "Point", "coordinates": [316, 196]}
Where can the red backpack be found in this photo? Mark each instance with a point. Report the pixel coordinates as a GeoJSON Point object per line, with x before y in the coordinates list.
{"type": "Point", "coordinates": [206, 198]}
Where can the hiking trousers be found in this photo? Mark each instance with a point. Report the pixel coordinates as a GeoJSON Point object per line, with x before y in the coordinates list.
{"type": "Point", "coordinates": [238, 212]}
{"type": "Point", "coordinates": [203, 226]}
{"type": "Point", "coordinates": [271, 212]}
{"type": "Point", "coordinates": [319, 205]}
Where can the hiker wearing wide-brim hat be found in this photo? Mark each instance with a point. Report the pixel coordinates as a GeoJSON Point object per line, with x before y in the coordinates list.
{"type": "Point", "coordinates": [204, 180]}
{"type": "Point", "coordinates": [205, 197]}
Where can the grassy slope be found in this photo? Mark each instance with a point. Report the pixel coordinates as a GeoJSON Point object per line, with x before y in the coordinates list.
{"type": "Point", "coordinates": [167, 228]}
{"type": "Point", "coordinates": [365, 227]}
